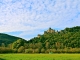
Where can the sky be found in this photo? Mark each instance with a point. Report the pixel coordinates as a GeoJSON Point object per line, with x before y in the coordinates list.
{"type": "Point", "coordinates": [28, 18]}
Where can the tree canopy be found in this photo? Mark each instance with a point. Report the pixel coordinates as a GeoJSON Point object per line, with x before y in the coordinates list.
{"type": "Point", "coordinates": [64, 41]}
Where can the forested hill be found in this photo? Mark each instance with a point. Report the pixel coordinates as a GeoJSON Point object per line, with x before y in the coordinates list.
{"type": "Point", "coordinates": [7, 39]}
{"type": "Point", "coordinates": [64, 41]}
{"type": "Point", "coordinates": [69, 37]}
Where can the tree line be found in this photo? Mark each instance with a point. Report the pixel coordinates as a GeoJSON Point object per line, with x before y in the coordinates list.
{"type": "Point", "coordinates": [64, 41]}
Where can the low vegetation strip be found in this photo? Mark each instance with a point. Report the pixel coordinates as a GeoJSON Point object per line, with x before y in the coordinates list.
{"type": "Point", "coordinates": [39, 56]}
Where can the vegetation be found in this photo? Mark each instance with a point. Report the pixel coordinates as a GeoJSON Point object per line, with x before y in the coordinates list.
{"type": "Point", "coordinates": [6, 39]}
{"type": "Point", "coordinates": [40, 56]}
{"type": "Point", "coordinates": [64, 41]}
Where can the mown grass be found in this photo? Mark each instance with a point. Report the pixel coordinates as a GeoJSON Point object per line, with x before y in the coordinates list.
{"type": "Point", "coordinates": [39, 56]}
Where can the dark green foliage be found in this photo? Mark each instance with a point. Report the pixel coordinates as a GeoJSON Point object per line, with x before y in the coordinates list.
{"type": "Point", "coordinates": [69, 37]}
{"type": "Point", "coordinates": [64, 41]}
{"type": "Point", "coordinates": [5, 50]}
{"type": "Point", "coordinates": [7, 39]}
{"type": "Point", "coordinates": [51, 39]}
{"type": "Point", "coordinates": [2, 59]}
{"type": "Point", "coordinates": [17, 44]}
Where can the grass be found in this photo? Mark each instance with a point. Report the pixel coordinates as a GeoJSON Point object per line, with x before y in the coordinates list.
{"type": "Point", "coordinates": [39, 56]}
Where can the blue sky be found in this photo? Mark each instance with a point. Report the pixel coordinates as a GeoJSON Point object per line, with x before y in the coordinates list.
{"type": "Point", "coordinates": [27, 18]}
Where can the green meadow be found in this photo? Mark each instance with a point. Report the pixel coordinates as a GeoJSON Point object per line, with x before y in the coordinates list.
{"type": "Point", "coordinates": [39, 56]}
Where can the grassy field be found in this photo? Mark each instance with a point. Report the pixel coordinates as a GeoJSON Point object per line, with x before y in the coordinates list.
{"type": "Point", "coordinates": [39, 56]}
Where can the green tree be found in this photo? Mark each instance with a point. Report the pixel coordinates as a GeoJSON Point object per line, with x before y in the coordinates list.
{"type": "Point", "coordinates": [42, 50]}
{"type": "Point", "coordinates": [21, 49]}
{"type": "Point", "coordinates": [2, 45]}
{"type": "Point", "coordinates": [47, 45]}
{"type": "Point", "coordinates": [17, 44]}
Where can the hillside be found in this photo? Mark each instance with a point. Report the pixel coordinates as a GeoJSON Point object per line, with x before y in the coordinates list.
{"type": "Point", "coordinates": [7, 39]}
{"type": "Point", "coordinates": [64, 41]}
{"type": "Point", "coordinates": [69, 37]}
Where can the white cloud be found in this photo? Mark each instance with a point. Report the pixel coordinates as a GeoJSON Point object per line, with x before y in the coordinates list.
{"type": "Point", "coordinates": [33, 15]}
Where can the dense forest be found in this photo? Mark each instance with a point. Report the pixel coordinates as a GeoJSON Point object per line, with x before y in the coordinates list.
{"type": "Point", "coordinates": [52, 41]}
{"type": "Point", "coordinates": [7, 39]}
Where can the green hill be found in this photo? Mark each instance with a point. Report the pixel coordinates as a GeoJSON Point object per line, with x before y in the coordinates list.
{"type": "Point", "coordinates": [69, 37]}
{"type": "Point", "coordinates": [52, 41]}
{"type": "Point", "coordinates": [7, 39]}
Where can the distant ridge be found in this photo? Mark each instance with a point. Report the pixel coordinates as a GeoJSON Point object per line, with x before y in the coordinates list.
{"type": "Point", "coordinates": [7, 39]}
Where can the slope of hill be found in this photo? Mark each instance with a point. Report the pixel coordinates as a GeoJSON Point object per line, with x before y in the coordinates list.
{"type": "Point", "coordinates": [64, 41]}
{"type": "Point", "coordinates": [69, 37]}
{"type": "Point", "coordinates": [7, 39]}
